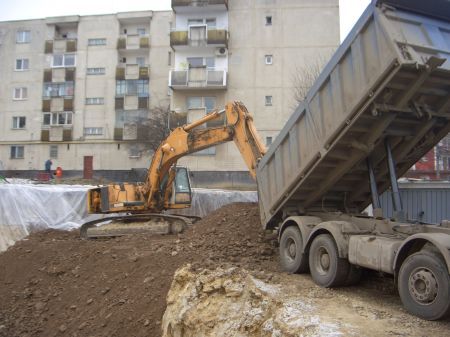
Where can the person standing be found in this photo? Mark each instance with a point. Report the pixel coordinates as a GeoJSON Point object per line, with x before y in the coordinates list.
{"type": "Point", "coordinates": [48, 168]}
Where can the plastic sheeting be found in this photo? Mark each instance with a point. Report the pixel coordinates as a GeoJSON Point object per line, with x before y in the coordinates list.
{"type": "Point", "coordinates": [25, 207]}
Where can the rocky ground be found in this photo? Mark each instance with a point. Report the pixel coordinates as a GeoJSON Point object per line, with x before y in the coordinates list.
{"type": "Point", "coordinates": [55, 284]}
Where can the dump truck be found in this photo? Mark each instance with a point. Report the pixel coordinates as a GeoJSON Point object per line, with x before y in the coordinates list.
{"type": "Point", "coordinates": [380, 104]}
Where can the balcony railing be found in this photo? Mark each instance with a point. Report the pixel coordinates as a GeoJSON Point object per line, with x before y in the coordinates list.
{"type": "Point", "coordinates": [198, 3]}
{"type": "Point", "coordinates": [60, 46]}
{"type": "Point", "coordinates": [133, 42]}
{"type": "Point", "coordinates": [132, 71]}
{"type": "Point", "coordinates": [194, 78]}
{"type": "Point", "coordinates": [213, 37]}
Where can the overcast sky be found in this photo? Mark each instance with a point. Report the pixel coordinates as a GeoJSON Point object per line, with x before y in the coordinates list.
{"type": "Point", "coordinates": [350, 10]}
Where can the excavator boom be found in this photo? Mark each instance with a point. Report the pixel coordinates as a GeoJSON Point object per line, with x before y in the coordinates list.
{"type": "Point", "coordinates": [167, 186]}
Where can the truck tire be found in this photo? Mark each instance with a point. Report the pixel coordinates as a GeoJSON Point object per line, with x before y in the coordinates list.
{"type": "Point", "coordinates": [424, 285]}
{"type": "Point", "coordinates": [292, 258]}
{"type": "Point", "coordinates": [327, 268]}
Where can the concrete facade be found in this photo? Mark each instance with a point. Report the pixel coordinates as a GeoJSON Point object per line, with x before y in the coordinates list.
{"type": "Point", "coordinates": [239, 37]}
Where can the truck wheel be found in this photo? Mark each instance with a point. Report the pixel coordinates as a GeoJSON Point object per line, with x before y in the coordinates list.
{"type": "Point", "coordinates": [291, 251]}
{"type": "Point", "coordinates": [327, 268]}
{"type": "Point", "coordinates": [424, 285]}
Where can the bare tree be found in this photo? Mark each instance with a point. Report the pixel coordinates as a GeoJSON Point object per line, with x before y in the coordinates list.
{"type": "Point", "coordinates": [304, 76]}
{"type": "Point", "coordinates": [156, 128]}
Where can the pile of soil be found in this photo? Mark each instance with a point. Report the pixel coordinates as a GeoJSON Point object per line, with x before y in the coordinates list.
{"type": "Point", "coordinates": [55, 284]}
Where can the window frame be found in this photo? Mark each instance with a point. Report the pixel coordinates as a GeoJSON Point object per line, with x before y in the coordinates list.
{"type": "Point", "coordinates": [17, 149]}
{"type": "Point", "coordinates": [63, 60]}
{"type": "Point", "coordinates": [99, 41]}
{"type": "Point", "coordinates": [22, 62]}
{"type": "Point", "coordinates": [95, 101]}
{"type": "Point", "coordinates": [23, 36]}
{"type": "Point", "coordinates": [52, 150]}
{"type": "Point", "coordinates": [96, 71]}
{"type": "Point", "coordinates": [98, 131]}
{"type": "Point", "coordinates": [16, 122]}
{"type": "Point", "coordinates": [23, 94]}
{"type": "Point", "coordinates": [54, 118]}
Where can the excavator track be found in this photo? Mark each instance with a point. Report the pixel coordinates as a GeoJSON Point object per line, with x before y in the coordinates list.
{"type": "Point", "coordinates": [146, 223]}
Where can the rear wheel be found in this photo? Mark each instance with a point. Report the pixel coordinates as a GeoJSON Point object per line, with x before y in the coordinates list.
{"type": "Point", "coordinates": [292, 258]}
{"type": "Point", "coordinates": [327, 268]}
{"type": "Point", "coordinates": [424, 285]}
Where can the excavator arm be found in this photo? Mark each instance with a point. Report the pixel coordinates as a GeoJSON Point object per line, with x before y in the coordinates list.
{"type": "Point", "coordinates": [166, 185]}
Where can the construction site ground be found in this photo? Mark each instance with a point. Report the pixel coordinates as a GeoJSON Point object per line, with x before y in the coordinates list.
{"type": "Point", "coordinates": [55, 284]}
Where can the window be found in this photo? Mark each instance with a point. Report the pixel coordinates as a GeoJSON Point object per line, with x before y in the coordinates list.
{"type": "Point", "coordinates": [268, 20]}
{"type": "Point", "coordinates": [132, 87]}
{"type": "Point", "coordinates": [58, 89]}
{"type": "Point", "coordinates": [23, 36]}
{"type": "Point", "coordinates": [22, 64]}
{"type": "Point", "coordinates": [96, 42]}
{"type": "Point", "coordinates": [169, 58]}
{"type": "Point", "coordinates": [17, 152]}
{"type": "Point", "coordinates": [209, 103]}
{"type": "Point", "coordinates": [211, 23]}
{"type": "Point", "coordinates": [20, 93]}
{"type": "Point", "coordinates": [95, 100]}
{"type": "Point", "coordinates": [197, 62]}
{"type": "Point", "coordinates": [268, 141]}
{"type": "Point", "coordinates": [63, 60]}
{"type": "Point", "coordinates": [269, 59]}
{"type": "Point", "coordinates": [57, 118]}
{"type": "Point", "coordinates": [93, 131]}
{"type": "Point", "coordinates": [140, 61]}
{"type": "Point", "coordinates": [192, 22]}
{"type": "Point", "coordinates": [95, 71]}
{"type": "Point", "coordinates": [268, 100]}
{"type": "Point", "coordinates": [141, 31]}
{"type": "Point", "coordinates": [19, 122]}
{"type": "Point", "coordinates": [53, 151]}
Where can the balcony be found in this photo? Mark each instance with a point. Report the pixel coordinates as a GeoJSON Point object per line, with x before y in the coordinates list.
{"type": "Point", "coordinates": [132, 72]}
{"type": "Point", "coordinates": [60, 46]}
{"type": "Point", "coordinates": [198, 78]}
{"type": "Point", "coordinates": [199, 36]}
{"type": "Point", "coordinates": [133, 42]}
{"type": "Point", "coordinates": [184, 5]}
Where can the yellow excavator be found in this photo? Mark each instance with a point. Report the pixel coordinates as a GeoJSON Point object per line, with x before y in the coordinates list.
{"type": "Point", "coordinates": [167, 186]}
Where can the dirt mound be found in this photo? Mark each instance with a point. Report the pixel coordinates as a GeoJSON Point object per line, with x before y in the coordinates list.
{"type": "Point", "coordinates": [55, 284]}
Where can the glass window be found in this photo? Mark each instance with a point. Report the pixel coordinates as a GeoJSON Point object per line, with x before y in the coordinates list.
{"type": "Point", "coordinates": [63, 60]}
{"type": "Point", "coordinates": [96, 42]}
{"type": "Point", "coordinates": [53, 151]}
{"type": "Point", "coordinates": [19, 122]}
{"type": "Point", "coordinates": [140, 61]}
{"type": "Point", "coordinates": [210, 104]}
{"type": "Point", "coordinates": [210, 62]}
{"type": "Point", "coordinates": [17, 152]}
{"type": "Point", "coordinates": [22, 64]}
{"type": "Point", "coordinates": [195, 62]}
{"type": "Point", "coordinates": [194, 102]}
{"type": "Point", "coordinates": [95, 71]}
{"type": "Point", "coordinates": [268, 100]}
{"type": "Point", "coordinates": [268, 141]}
{"type": "Point", "coordinates": [211, 23]}
{"type": "Point", "coordinates": [58, 60]}
{"type": "Point", "coordinates": [268, 20]}
{"type": "Point", "coordinates": [46, 119]}
{"type": "Point", "coordinates": [141, 31]}
{"type": "Point", "coordinates": [95, 101]}
{"type": "Point", "coordinates": [195, 22]}
{"type": "Point", "coordinates": [20, 93]}
{"type": "Point", "coordinates": [269, 59]}
{"type": "Point", "coordinates": [69, 60]}
{"type": "Point", "coordinates": [93, 131]}
{"type": "Point", "coordinates": [23, 36]}
{"type": "Point", "coordinates": [182, 181]}
{"type": "Point", "coordinates": [121, 87]}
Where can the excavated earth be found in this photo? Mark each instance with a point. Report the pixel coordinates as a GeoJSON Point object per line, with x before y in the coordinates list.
{"type": "Point", "coordinates": [56, 284]}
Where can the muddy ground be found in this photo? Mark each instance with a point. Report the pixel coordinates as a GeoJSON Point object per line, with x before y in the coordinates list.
{"type": "Point", "coordinates": [55, 284]}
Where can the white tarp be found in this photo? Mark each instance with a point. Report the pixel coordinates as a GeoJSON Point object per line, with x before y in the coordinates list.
{"type": "Point", "coordinates": [25, 207]}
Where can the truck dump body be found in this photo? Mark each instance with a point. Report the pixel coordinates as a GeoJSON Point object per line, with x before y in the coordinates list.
{"type": "Point", "coordinates": [390, 79]}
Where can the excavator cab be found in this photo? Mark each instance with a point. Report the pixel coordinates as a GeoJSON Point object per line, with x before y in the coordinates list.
{"type": "Point", "coordinates": [182, 187]}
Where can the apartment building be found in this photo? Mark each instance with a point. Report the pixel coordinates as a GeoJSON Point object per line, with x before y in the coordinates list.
{"type": "Point", "coordinates": [82, 89]}
{"type": "Point", "coordinates": [248, 51]}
